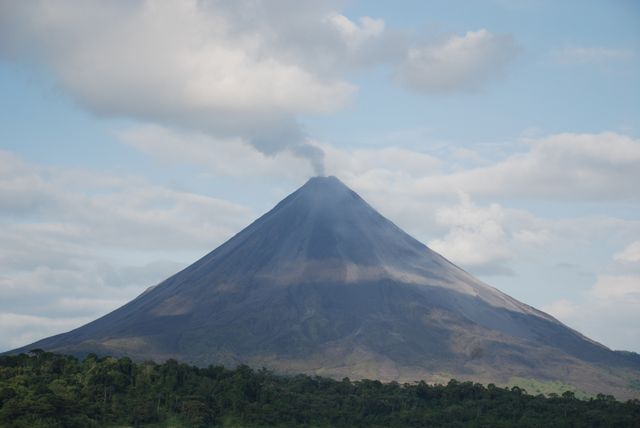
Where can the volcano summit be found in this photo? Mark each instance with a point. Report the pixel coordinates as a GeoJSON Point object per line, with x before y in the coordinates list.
{"type": "Point", "coordinates": [324, 284]}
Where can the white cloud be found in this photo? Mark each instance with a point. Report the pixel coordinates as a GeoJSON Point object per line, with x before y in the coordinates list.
{"type": "Point", "coordinates": [565, 166]}
{"type": "Point", "coordinates": [617, 286]}
{"type": "Point", "coordinates": [154, 57]}
{"type": "Point", "coordinates": [192, 64]}
{"type": "Point", "coordinates": [240, 71]}
{"type": "Point", "coordinates": [355, 162]}
{"type": "Point", "coordinates": [562, 309]}
{"type": "Point", "coordinates": [532, 237]}
{"type": "Point", "coordinates": [608, 312]}
{"type": "Point", "coordinates": [77, 205]}
{"type": "Point", "coordinates": [484, 239]}
{"type": "Point", "coordinates": [590, 54]}
{"type": "Point", "coordinates": [21, 190]}
{"type": "Point", "coordinates": [460, 62]}
{"type": "Point", "coordinates": [230, 157]}
{"type": "Point", "coordinates": [630, 254]}
{"type": "Point", "coordinates": [355, 34]}
{"type": "Point", "coordinates": [602, 166]}
{"type": "Point", "coordinates": [476, 235]}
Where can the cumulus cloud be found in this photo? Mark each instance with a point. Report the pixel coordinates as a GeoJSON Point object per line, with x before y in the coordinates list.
{"type": "Point", "coordinates": [476, 235]}
{"type": "Point", "coordinates": [164, 57]}
{"type": "Point", "coordinates": [608, 310]}
{"type": "Point", "coordinates": [566, 166]}
{"type": "Point", "coordinates": [222, 157]}
{"type": "Point", "coordinates": [562, 309]}
{"type": "Point", "coordinates": [191, 64]}
{"type": "Point", "coordinates": [602, 166]}
{"type": "Point", "coordinates": [356, 162]}
{"type": "Point", "coordinates": [77, 204]}
{"type": "Point", "coordinates": [237, 71]}
{"type": "Point", "coordinates": [457, 63]}
{"type": "Point", "coordinates": [616, 286]}
{"type": "Point", "coordinates": [356, 34]}
{"type": "Point", "coordinates": [485, 238]}
{"type": "Point", "coordinates": [234, 158]}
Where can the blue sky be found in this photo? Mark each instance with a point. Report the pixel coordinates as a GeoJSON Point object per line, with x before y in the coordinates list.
{"type": "Point", "coordinates": [137, 136]}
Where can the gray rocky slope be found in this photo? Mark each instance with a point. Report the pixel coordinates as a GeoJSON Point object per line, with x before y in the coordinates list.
{"type": "Point", "coordinates": [324, 284]}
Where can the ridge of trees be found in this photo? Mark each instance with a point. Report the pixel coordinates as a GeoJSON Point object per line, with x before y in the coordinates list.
{"type": "Point", "coordinates": [42, 389]}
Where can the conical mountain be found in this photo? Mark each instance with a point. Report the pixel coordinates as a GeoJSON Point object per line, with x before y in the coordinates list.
{"type": "Point", "coordinates": [324, 284]}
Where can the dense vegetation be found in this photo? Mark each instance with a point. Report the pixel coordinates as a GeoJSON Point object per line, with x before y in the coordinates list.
{"type": "Point", "coordinates": [48, 390]}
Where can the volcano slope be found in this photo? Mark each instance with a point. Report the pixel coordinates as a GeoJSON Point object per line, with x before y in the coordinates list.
{"type": "Point", "coordinates": [324, 284]}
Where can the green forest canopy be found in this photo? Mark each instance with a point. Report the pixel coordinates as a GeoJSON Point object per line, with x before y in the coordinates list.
{"type": "Point", "coordinates": [42, 389]}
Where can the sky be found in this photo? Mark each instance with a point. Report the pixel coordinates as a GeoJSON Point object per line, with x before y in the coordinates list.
{"type": "Point", "coordinates": [137, 136]}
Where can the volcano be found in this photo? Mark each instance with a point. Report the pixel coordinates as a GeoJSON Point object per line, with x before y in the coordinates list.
{"type": "Point", "coordinates": [324, 284]}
